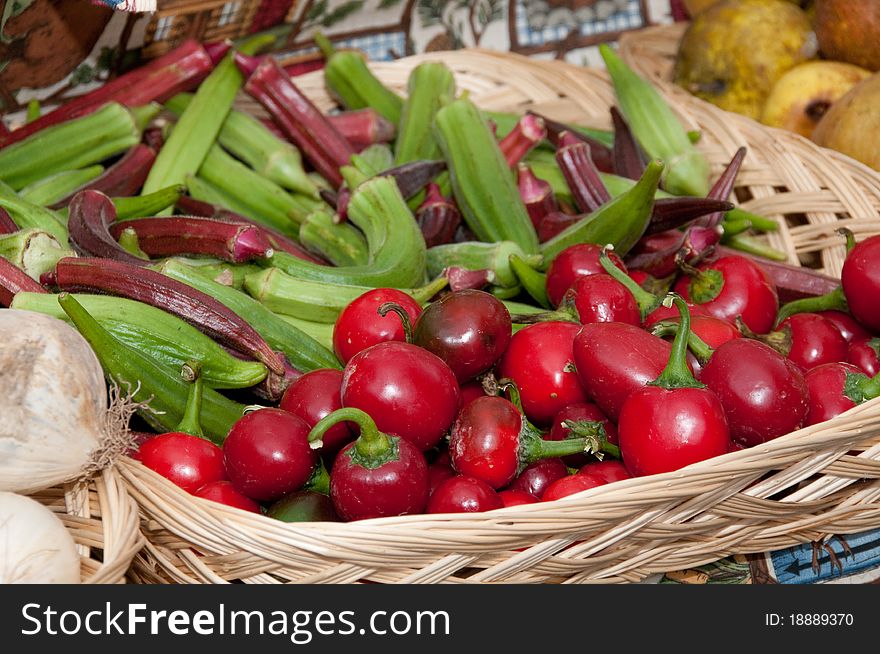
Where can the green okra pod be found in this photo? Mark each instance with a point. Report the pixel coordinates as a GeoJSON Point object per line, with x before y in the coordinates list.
{"type": "Point", "coordinates": [26, 214]}
{"type": "Point", "coordinates": [340, 243]}
{"type": "Point", "coordinates": [657, 128]}
{"type": "Point", "coordinates": [620, 222]}
{"type": "Point", "coordinates": [429, 85]}
{"type": "Point", "coordinates": [165, 337]}
{"type": "Point", "coordinates": [303, 352]}
{"type": "Point", "coordinates": [395, 242]}
{"type": "Point", "coordinates": [477, 255]}
{"type": "Point", "coordinates": [58, 186]}
{"type": "Point", "coordinates": [159, 387]}
{"type": "Point", "coordinates": [316, 301]}
{"type": "Point", "coordinates": [72, 144]}
{"type": "Point", "coordinates": [352, 83]}
{"type": "Point", "coordinates": [249, 140]}
{"type": "Point", "coordinates": [197, 128]}
{"type": "Point", "coordinates": [484, 185]}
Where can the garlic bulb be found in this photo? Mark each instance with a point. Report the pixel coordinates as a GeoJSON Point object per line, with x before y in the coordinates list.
{"type": "Point", "coordinates": [53, 401]}
{"type": "Point", "coordinates": [35, 546]}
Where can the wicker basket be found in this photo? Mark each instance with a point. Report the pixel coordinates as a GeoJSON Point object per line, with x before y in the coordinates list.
{"type": "Point", "coordinates": [818, 481]}
{"type": "Point", "coordinates": [103, 520]}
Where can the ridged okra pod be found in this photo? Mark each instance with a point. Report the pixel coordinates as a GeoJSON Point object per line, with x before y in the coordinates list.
{"type": "Point", "coordinates": [476, 255]}
{"type": "Point", "coordinates": [304, 352]}
{"type": "Point", "coordinates": [429, 85]}
{"type": "Point", "coordinates": [657, 129]}
{"type": "Point", "coordinates": [484, 185]}
{"type": "Point", "coordinates": [395, 242]}
{"type": "Point", "coordinates": [350, 81]}
{"type": "Point", "coordinates": [73, 144]}
{"type": "Point", "coordinates": [150, 381]}
{"type": "Point", "coordinates": [253, 143]}
{"type": "Point", "coordinates": [198, 126]}
{"type": "Point", "coordinates": [620, 222]}
{"type": "Point", "coordinates": [316, 301]}
{"type": "Point", "coordinates": [29, 215]}
{"type": "Point", "coordinates": [60, 185]}
{"type": "Point", "coordinates": [167, 338]}
{"type": "Point", "coordinates": [339, 243]}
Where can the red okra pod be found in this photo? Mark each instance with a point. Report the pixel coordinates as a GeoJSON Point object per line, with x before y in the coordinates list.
{"type": "Point", "coordinates": [90, 213]}
{"type": "Point", "coordinates": [438, 217]}
{"type": "Point", "coordinates": [277, 240]}
{"type": "Point", "coordinates": [629, 158]}
{"type": "Point", "coordinates": [413, 176]}
{"type": "Point", "coordinates": [94, 275]}
{"type": "Point", "coordinates": [601, 153]}
{"type": "Point", "coordinates": [300, 120]}
{"type": "Point", "coordinates": [363, 127]}
{"type": "Point", "coordinates": [587, 188]}
{"type": "Point", "coordinates": [672, 213]}
{"type": "Point", "coordinates": [460, 279]}
{"type": "Point", "coordinates": [7, 225]}
{"type": "Point", "coordinates": [183, 235]}
{"type": "Point", "coordinates": [537, 194]}
{"type": "Point", "coordinates": [723, 187]}
{"type": "Point", "coordinates": [525, 135]}
{"type": "Point", "coordinates": [179, 70]}
{"type": "Point", "coordinates": [123, 179]}
{"type": "Point", "coordinates": [555, 222]}
{"type": "Point", "coordinates": [14, 280]}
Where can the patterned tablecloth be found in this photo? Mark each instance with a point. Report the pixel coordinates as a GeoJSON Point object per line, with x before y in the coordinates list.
{"type": "Point", "coordinates": [384, 29]}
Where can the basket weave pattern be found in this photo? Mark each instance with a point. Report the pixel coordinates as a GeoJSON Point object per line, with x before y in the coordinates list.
{"type": "Point", "coordinates": [821, 480]}
{"type": "Point", "coordinates": [103, 520]}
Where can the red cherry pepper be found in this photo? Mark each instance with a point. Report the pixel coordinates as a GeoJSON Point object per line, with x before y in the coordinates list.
{"type": "Point", "coordinates": [608, 470]}
{"type": "Point", "coordinates": [764, 394]}
{"type": "Point", "coordinates": [674, 421]}
{"type": "Point", "coordinates": [224, 492]}
{"type": "Point", "coordinates": [539, 361]}
{"type": "Point", "coordinates": [462, 494]}
{"type": "Point", "coordinates": [811, 340]}
{"type": "Point", "coordinates": [360, 325]}
{"type": "Point", "coordinates": [865, 354]}
{"type": "Point", "coordinates": [493, 442]}
{"type": "Point", "coordinates": [614, 359]}
{"type": "Point", "coordinates": [732, 286]}
{"type": "Point", "coordinates": [311, 397]}
{"type": "Point", "coordinates": [848, 326]}
{"type": "Point", "coordinates": [837, 387]}
{"type": "Point", "coordinates": [572, 263]}
{"type": "Point", "coordinates": [537, 476]}
{"type": "Point", "coordinates": [516, 498]}
{"type": "Point", "coordinates": [377, 475]}
{"type": "Point", "coordinates": [468, 329]}
{"type": "Point", "coordinates": [184, 456]}
{"type": "Point", "coordinates": [408, 391]}
{"type": "Point", "coordinates": [566, 422]}
{"type": "Point", "coordinates": [860, 281]}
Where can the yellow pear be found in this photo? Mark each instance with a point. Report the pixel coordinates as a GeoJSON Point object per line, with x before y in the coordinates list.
{"type": "Point", "coordinates": [732, 53]}
{"type": "Point", "coordinates": [852, 124]}
{"type": "Point", "coordinates": [804, 94]}
{"type": "Point", "coordinates": [695, 7]}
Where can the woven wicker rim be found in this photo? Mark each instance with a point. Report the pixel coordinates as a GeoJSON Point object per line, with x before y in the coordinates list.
{"type": "Point", "coordinates": [103, 519]}
{"type": "Point", "coordinates": [818, 480]}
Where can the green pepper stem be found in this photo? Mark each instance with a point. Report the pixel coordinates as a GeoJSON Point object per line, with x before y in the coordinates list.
{"type": "Point", "coordinates": [861, 388]}
{"type": "Point", "coordinates": [387, 307]}
{"type": "Point", "coordinates": [371, 449]}
{"type": "Point", "coordinates": [512, 389]}
{"type": "Point", "coordinates": [646, 301]}
{"type": "Point", "coordinates": [697, 345]}
{"type": "Point", "coordinates": [565, 313]}
{"type": "Point", "coordinates": [594, 432]}
{"type": "Point", "coordinates": [423, 294]}
{"type": "Point", "coordinates": [676, 373]}
{"type": "Point", "coordinates": [190, 423]}
{"type": "Point", "coordinates": [835, 300]}
{"type": "Point", "coordinates": [850, 238]}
